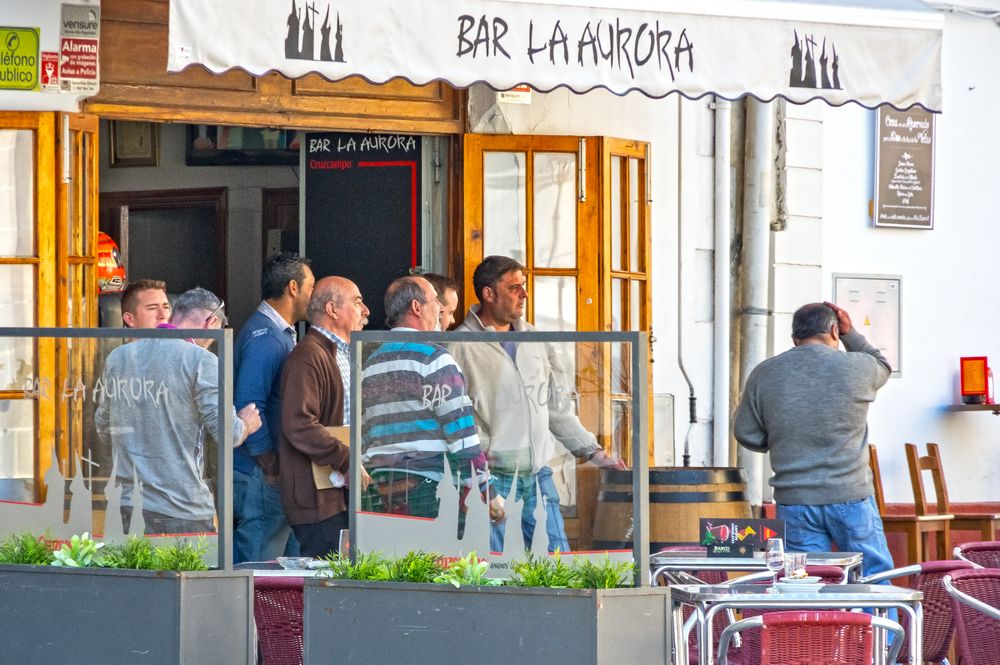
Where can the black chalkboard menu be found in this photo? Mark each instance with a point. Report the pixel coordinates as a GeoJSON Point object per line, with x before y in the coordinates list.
{"type": "Point", "coordinates": [904, 169]}
{"type": "Point", "coordinates": [362, 217]}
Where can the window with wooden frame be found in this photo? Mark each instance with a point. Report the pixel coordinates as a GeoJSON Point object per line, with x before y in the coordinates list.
{"type": "Point", "coordinates": [48, 185]}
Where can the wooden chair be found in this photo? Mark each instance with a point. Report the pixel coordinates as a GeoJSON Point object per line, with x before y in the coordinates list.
{"type": "Point", "coordinates": [916, 526]}
{"type": "Point", "coordinates": [983, 522]}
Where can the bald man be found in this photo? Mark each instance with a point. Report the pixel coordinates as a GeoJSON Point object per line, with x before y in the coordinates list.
{"type": "Point", "coordinates": [315, 394]}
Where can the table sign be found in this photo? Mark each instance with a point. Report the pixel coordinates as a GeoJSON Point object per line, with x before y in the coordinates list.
{"type": "Point", "coordinates": [727, 537]}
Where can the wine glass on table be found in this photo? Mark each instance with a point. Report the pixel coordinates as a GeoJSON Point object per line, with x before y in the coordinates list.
{"type": "Point", "coordinates": [774, 558]}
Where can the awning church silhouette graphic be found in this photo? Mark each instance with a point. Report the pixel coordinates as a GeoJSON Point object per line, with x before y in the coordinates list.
{"type": "Point", "coordinates": [803, 72]}
{"type": "Point", "coordinates": [300, 40]}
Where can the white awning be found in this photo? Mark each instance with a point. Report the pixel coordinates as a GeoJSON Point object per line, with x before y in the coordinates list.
{"type": "Point", "coordinates": [873, 52]}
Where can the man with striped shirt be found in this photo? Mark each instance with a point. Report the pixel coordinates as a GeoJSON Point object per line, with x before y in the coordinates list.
{"type": "Point", "coordinates": [417, 415]}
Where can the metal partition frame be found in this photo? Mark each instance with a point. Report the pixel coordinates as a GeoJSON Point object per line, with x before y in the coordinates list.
{"type": "Point", "coordinates": [638, 342]}
{"type": "Point", "coordinates": [223, 339]}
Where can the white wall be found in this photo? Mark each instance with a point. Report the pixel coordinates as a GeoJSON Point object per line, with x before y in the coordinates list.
{"type": "Point", "coordinates": [244, 184]}
{"type": "Point", "coordinates": [681, 133]}
{"type": "Point", "coordinates": [949, 304]}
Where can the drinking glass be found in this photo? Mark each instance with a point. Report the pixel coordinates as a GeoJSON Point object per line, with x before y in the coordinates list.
{"type": "Point", "coordinates": [794, 562]}
{"type": "Point", "coordinates": [774, 558]}
{"type": "Point", "coordinates": [345, 543]}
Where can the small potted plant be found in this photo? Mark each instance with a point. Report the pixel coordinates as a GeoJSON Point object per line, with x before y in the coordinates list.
{"type": "Point", "coordinates": [88, 602]}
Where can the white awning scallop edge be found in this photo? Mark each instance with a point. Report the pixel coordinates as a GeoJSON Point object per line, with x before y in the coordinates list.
{"type": "Point", "coordinates": [816, 54]}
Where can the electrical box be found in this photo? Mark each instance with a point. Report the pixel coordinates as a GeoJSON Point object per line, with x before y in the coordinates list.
{"type": "Point", "coordinates": [873, 301]}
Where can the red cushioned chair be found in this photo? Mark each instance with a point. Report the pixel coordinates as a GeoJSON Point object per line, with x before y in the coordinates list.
{"type": "Point", "coordinates": [830, 637]}
{"type": "Point", "coordinates": [983, 553]}
{"type": "Point", "coordinates": [277, 609]}
{"type": "Point", "coordinates": [939, 624]}
{"type": "Point", "coordinates": [975, 599]}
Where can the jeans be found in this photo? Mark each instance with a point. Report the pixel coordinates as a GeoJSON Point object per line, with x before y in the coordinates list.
{"type": "Point", "coordinates": [322, 538]}
{"type": "Point", "coordinates": [260, 531]}
{"type": "Point", "coordinates": [554, 526]}
{"type": "Point", "coordinates": [160, 524]}
{"type": "Point", "coordinates": [852, 527]}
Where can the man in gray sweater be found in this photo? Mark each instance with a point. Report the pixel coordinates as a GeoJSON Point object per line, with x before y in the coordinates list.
{"type": "Point", "coordinates": [808, 407]}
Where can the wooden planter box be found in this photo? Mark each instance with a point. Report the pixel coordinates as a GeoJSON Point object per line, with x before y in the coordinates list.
{"type": "Point", "coordinates": [360, 623]}
{"type": "Point", "coordinates": [50, 614]}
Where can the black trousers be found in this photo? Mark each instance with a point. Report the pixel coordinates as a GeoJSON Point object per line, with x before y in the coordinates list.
{"type": "Point", "coordinates": [321, 538]}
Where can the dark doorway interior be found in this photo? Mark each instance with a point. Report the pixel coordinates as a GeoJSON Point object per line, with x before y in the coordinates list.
{"type": "Point", "coordinates": [178, 236]}
{"type": "Point", "coordinates": [280, 221]}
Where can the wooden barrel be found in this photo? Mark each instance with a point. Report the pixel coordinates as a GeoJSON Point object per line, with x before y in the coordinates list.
{"type": "Point", "coordinates": [678, 497]}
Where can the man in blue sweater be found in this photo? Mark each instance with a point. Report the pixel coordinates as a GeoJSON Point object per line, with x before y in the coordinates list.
{"type": "Point", "coordinates": [263, 344]}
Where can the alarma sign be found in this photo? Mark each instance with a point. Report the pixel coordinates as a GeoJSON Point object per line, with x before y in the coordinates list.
{"type": "Point", "coordinates": [18, 58]}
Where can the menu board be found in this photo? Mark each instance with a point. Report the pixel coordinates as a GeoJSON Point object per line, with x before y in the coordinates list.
{"type": "Point", "coordinates": [904, 169]}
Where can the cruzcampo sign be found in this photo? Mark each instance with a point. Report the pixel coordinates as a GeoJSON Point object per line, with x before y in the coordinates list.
{"type": "Point", "coordinates": [18, 58]}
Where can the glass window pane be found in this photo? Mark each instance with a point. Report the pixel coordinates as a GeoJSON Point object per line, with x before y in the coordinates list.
{"type": "Point", "coordinates": [504, 204]}
{"type": "Point", "coordinates": [554, 187]}
{"type": "Point", "coordinates": [635, 301]}
{"type": "Point", "coordinates": [555, 302]}
{"type": "Point", "coordinates": [616, 213]}
{"type": "Point", "coordinates": [616, 303]}
{"type": "Point", "coordinates": [17, 431]}
{"type": "Point", "coordinates": [621, 428]}
{"type": "Point", "coordinates": [17, 310]}
{"type": "Point", "coordinates": [83, 178]}
{"type": "Point", "coordinates": [17, 190]}
{"type": "Point", "coordinates": [635, 250]}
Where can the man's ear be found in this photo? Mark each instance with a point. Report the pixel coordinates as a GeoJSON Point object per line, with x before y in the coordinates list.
{"type": "Point", "coordinates": [488, 294]}
{"type": "Point", "coordinates": [128, 319]}
{"type": "Point", "coordinates": [293, 288]}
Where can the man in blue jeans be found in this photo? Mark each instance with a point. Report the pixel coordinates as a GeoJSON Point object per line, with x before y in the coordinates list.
{"type": "Point", "coordinates": [808, 407]}
{"type": "Point", "coordinates": [520, 394]}
{"type": "Point", "coordinates": [264, 342]}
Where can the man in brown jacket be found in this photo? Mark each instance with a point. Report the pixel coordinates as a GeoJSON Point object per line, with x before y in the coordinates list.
{"type": "Point", "coordinates": [314, 395]}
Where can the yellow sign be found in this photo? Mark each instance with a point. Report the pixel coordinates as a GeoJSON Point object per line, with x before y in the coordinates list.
{"type": "Point", "coordinates": [18, 58]}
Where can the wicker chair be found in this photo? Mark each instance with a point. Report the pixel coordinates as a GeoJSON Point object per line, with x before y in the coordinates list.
{"type": "Point", "coordinates": [798, 636]}
{"type": "Point", "coordinates": [975, 599]}
{"type": "Point", "coordinates": [277, 609]}
{"type": "Point", "coordinates": [939, 625]}
{"type": "Point", "coordinates": [983, 553]}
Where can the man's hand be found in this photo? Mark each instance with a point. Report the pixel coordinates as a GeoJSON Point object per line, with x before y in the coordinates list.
{"type": "Point", "coordinates": [497, 512]}
{"type": "Point", "coordinates": [844, 324]}
{"type": "Point", "coordinates": [251, 420]}
{"type": "Point", "coordinates": [602, 460]}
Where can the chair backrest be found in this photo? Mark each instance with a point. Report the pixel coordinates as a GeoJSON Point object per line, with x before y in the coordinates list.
{"type": "Point", "coordinates": [939, 624]}
{"type": "Point", "coordinates": [798, 636]}
{"type": "Point", "coordinates": [876, 478]}
{"type": "Point", "coordinates": [983, 553]}
{"type": "Point", "coordinates": [977, 630]}
{"type": "Point", "coordinates": [277, 609]}
{"type": "Point", "coordinates": [929, 462]}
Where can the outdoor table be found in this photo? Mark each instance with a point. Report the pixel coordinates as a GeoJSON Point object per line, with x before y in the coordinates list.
{"type": "Point", "coordinates": [708, 601]}
{"type": "Point", "coordinates": [671, 560]}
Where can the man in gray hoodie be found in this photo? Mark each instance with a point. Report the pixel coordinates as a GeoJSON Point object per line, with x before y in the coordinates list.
{"type": "Point", "coordinates": [808, 407]}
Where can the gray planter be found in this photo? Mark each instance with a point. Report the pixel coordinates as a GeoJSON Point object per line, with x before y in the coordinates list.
{"type": "Point", "coordinates": [50, 614]}
{"type": "Point", "coordinates": [361, 623]}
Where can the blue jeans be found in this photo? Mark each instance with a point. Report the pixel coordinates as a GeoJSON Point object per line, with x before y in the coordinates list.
{"type": "Point", "coordinates": [852, 527]}
{"type": "Point", "coordinates": [261, 532]}
{"type": "Point", "coordinates": [554, 525]}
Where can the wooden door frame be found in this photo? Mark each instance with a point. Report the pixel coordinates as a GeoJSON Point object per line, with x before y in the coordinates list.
{"type": "Point", "coordinates": [208, 197]}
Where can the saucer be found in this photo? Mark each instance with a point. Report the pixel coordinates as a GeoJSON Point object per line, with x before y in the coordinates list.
{"type": "Point", "coordinates": [798, 587]}
{"type": "Point", "coordinates": [809, 579]}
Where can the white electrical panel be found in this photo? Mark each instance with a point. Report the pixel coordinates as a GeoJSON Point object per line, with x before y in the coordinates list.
{"type": "Point", "coordinates": [873, 301]}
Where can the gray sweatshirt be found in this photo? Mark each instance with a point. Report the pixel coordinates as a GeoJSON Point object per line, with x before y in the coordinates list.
{"type": "Point", "coordinates": [808, 407]}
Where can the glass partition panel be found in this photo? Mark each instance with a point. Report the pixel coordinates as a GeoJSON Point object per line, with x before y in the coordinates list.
{"type": "Point", "coordinates": [554, 210]}
{"type": "Point", "coordinates": [457, 441]}
{"type": "Point", "coordinates": [118, 436]}
{"type": "Point", "coordinates": [505, 204]}
{"type": "Point", "coordinates": [17, 192]}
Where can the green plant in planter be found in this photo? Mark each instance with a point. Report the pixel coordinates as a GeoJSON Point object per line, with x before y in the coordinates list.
{"type": "Point", "coordinates": [417, 566]}
{"type": "Point", "coordinates": [542, 571]}
{"type": "Point", "coordinates": [25, 548]}
{"type": "Point", "coordinates": [367, 567]}
{"type": "Point", "coordinates": [139, 554]}
{"type": "Point", "coordinates": [79, 552]}
{"type": "Point", "coordinates": [468, 570]}
{"type": "Point", "coordinates": [603, 575]}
